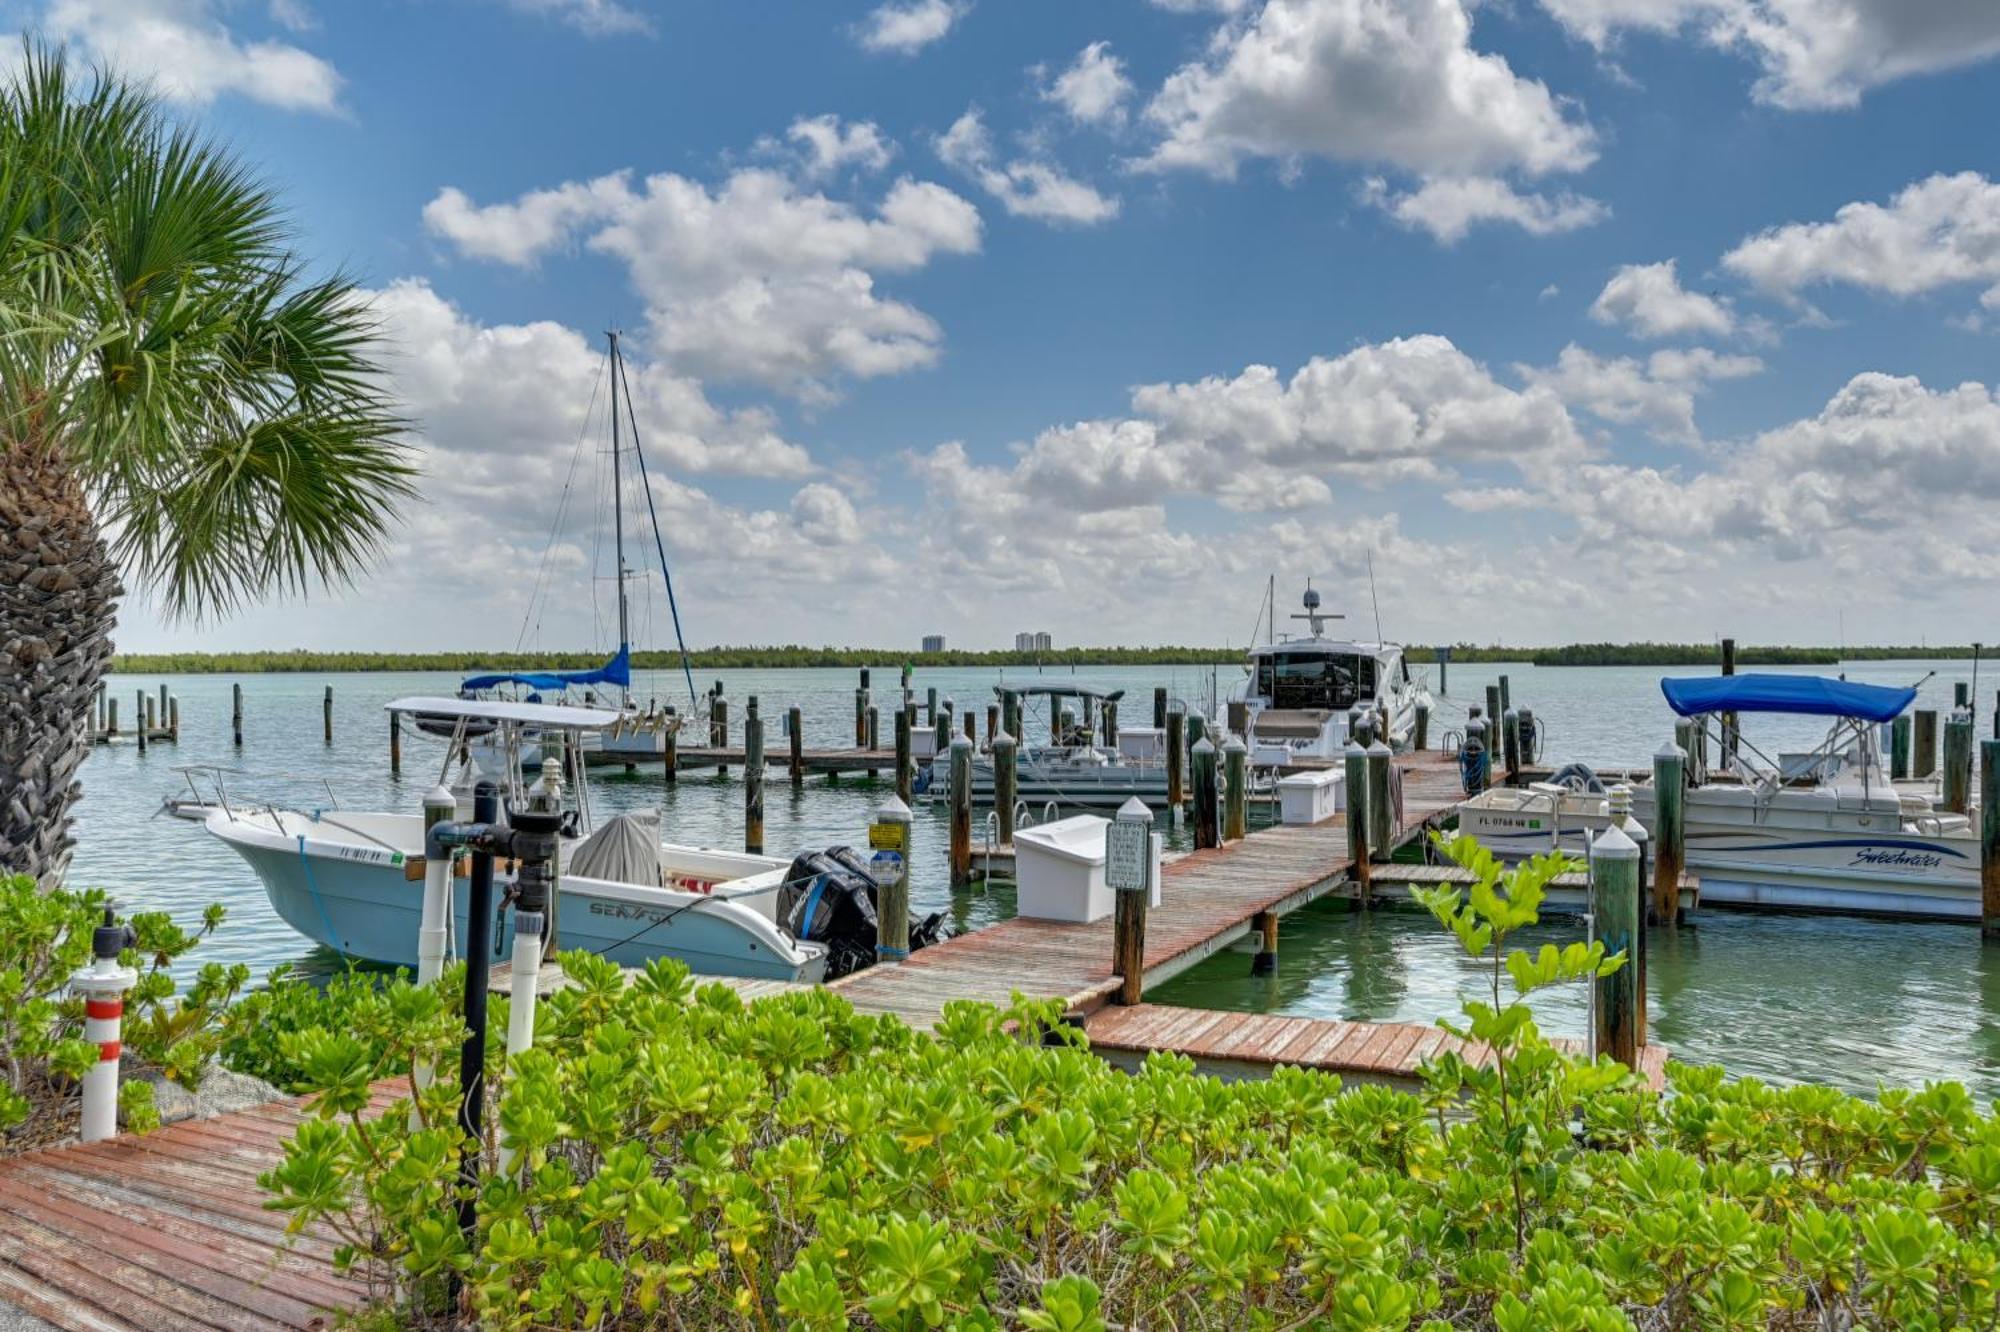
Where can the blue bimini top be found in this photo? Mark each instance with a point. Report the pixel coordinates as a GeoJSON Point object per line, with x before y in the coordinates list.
{"type": "Point", "coordinates": [1808, 695]}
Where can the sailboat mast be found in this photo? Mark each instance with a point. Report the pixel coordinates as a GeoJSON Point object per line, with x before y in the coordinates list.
{"type": "Point", "coordinates": [618, 501]}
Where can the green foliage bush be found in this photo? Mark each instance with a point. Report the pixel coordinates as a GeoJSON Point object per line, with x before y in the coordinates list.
{"type": "Point", "coordinates": [682, 1160]}
{"type": "Point", "coordinates": [260, 1030]}
{"type": "Point", "coordinates": [44, 939]}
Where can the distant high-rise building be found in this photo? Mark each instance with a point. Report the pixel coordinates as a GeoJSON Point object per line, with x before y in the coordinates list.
{"type": "Point", "coordinates": [1043, 643]}
{"type": "Point", "coordinates": [933, 642]}
{"type": "Point", "coordinates": [1024, 642]}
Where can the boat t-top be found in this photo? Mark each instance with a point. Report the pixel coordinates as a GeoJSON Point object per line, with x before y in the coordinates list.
{"type": "Point", "coordinates": [1824, 829]}
{"type": "Point", "coordinates": [353, 880]}
{"type": "Point", "coordinates": [1306, 697]}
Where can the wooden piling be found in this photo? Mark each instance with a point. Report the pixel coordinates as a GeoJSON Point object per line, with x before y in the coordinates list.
{"type": "Point", "coordinates": [1239, 718]}
{"type": "Point", "coordinates": [874, 730]}
{"type": "Point", "coordinates": [1961, 695]}
{"type": "Point", "coordinates": [326, 713]}
{"type": "Point", "coordinates": [1510, 744]}
{"type": "Point", "coordinates": [992, 721]}
{"type": "Point", "coordinates": [111, 718]}
{"type": "Point", "coordinates": [1924, 744]}
{"type": "Point", "coordinates": [961, 812]}
{"type": "Point", "coordinates": [1381, 808]}
{"type": "Point", "coordinates": [1175, 758]}
{"type": "Point", "coordinates": [1527, 733]}
{"type": "Point", "coordinates": [1614, 909]}
{"type": "Point", "coordinates": [1989, 839]}
{"type": "Point", "coordinates": [1957, 785]}
{"type": "Point", "coordinates": [139, 718]}
{"type": "Point", "coordinates": [1004, 786]}
{"type": "Point", "coordinates": [1493, 714]}
{"type": "Point", "coordinates": [1506, 696]}
{"type": "Point", "coordinates": [904, 775]}
{"type": "Point", "coordinates": [670, 750]}
{"type": "Point", "coordinates": [1206, 824]}
{"type": "Point", "coordinates": [395, 743]}
{"type": "Point", "coordinates": [930, 705]}
{"type": "Point", "coordinates": [1669, 832]}
{"type": "Point", "coordinates": [1111, 724]}
{"type": "Point", "coordinates": [1731, 724]}
{"type": "Point", "coordinates": [1128, 944]}
{"type": "Point", "coordinates": [1235, 811]}
{"type": "Point", "coordinates": [1159, 707]}
{"type": "Point", "coordinates": [152, 720]}
{"type": "Point", "coordinates": [1899, 747]}
{"type": "Point", "coordinates": [1265, 963]}
{"type": "Point", "coordinates": [795, 727]}
{"type": "Point", "coordinates": [718, 728]}
{"type": "Point", "coordinates": [861, 719]}
{"type": "Point", "coordinates": [174, 719]}
{"type": "Point", "coordinates": [1356, 761]}
{"type": "Point", "coordinates": [1444, 671]}
{"type": "Point", "coordinates": [891, 832]}
{"type": "Point", "coordinates": [1421, 740]}
{"type": "Point", "coordinates": [972, 727]}
{"type": "Point", "coordinates": [235, 714]}
{"type": "Point", "coordinates": [753, 779]}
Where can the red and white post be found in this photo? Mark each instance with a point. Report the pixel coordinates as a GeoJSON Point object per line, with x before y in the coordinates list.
{"type": "Point", "coordinates": [103, 985]}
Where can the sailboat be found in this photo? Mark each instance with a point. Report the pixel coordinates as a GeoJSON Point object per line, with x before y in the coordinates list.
{"type": "Point", "coordinates": [639, 733]}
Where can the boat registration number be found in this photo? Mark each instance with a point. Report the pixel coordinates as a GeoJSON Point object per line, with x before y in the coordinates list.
{"type": "Point", "coordinates": [360, 855]}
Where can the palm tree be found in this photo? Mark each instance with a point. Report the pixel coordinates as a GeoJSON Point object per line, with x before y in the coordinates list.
{"type": "Point", "coordinates": [178, 399]}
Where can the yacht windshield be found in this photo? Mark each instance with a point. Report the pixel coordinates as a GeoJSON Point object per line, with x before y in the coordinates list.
{"type": "Point", "coordinates": [1316, 680]}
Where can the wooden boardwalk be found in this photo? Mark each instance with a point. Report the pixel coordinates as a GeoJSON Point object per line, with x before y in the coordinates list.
{"type": "Point", "coordinates": [167, 1232]}
{"type": "Point", "coordinates": [1208, 901]}
{"type": "Point", "coordinates": [1251, 1044]}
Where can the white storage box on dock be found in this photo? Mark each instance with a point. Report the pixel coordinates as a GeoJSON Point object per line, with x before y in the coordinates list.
{"type": "Point", "coordinates": [1308, 797]}
{"type": "Point", "coordinates": [1142, 744]}
{"type": "Point", "coordinates": [923, 743]}
{"type": "Point", "coordinates": [1059, 870]}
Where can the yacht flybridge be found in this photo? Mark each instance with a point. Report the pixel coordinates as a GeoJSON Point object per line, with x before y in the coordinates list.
{"type": "Point", "coordinates": [1823, 830]}
{"type": "Point", "coordinates": [353, 880]}
{"type": "Point", "coordinates": [1305, 697]}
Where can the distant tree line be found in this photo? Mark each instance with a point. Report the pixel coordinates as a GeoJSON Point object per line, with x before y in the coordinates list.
{"type": "Point", "coordinates": [792, 656]}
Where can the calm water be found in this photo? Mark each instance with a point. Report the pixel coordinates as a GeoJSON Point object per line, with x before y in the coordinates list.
{"type": "Point", "coordinates": [1848, 1002]}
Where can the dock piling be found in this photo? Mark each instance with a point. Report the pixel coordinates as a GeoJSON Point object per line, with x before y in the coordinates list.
{"type": "Point", "coordinates": [861, 719]}
{"type": "Point", "coordinates": [1159, 707]}
{"type": "Point", "coordinates": [753, 779]}
{"type": "Point", "coordinates": [1356, 760]}
{"type": "Point", "coordinates": [1669, 832]}
{"type": "Point", "coordinates": [1899, 747]}
{"type": "Point", "coordinates": [1381, 807]}
{"type": "Point", "coordinates": [1510, 744]}
{"type": "Point", "coordinates": [670, 750]}
{"type": "Point", "coordinates": [1205, 822]}
{"type": "Point", "coordinates": [235, 714]}
{"type": "Point", "coordinates": [326, 713]}
{"type": "Point", "coordinates": [904, 776]}
{"type": "Point", "coordinates": [395, 744]}
{"type": "Point", "coordinates": [139, 719]}
{"type": "Point", "coordinates": [718, 728]}
{"type": "Point", "coordinates": [1110, 715]}
{"type": "Point", "coordinates": [1529, 753]}
{"type": "Point", "coordinates": [1175, 786]}
{"type": "Point", "coordinates": [1614, 910]}
{"type": "Point", "coordinates": [111, 718]}
{"type": "Point", "coordinates": [1731, 724]}
{"type": "Point", "coordinates": [1421, 740]}
{"type": "Point", "coordinates": [972, 727]}
{"type": "Point", "coordinates": [796, 738]}
{"type": "Point", "coordinates": [961, 812]}
{"type": "Point", "coordinates": [1128, 917]}
{"type": "Point", "coordinates": [1923, 759]}
{"type": "Point", "coordinates": [1495, 711]}
{"type": "Point", "coordinates": [1004, 786]}
{"type": "Point", "coordinates": [873, 738]}
{"type": "Point", "coordinates": [1989, 839]}
{"type": "Point", "coordinates": [1506, 695]}
{"type": "Point", "coordinates": [1235, 813]}
{"type": "Point", "coordinates": [891, 832]}
{"type": "Point", "coordinates": [930, 705]}
{"type": "Point", "coordinates": [1265, 963]}
{"type": "Point", "coordinates": [1958, 762]}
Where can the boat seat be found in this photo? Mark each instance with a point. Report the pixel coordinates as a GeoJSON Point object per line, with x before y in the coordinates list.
{"type": "Point", "coordinates": [1289, 724]}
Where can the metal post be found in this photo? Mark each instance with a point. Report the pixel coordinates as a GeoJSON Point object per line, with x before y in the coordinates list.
{"type": "Point", "coordinates": [1356, 759]}
{"type": "Point", "coordinates": [1235, 813]}
{"type": "Point", "coordinates": [795, 723]}
{"type": "Point", "coordinates": [1669, 832]}
{"type": "Point", "coordinates": [904, 776]}
{"type": "Point", "coordinates": [1175, 785]}
{"type": "Point", "coordinates": [1128, 919]}
{"type": "Point", "coordinates": [1614, 910]}
{"type": "Point", "coordinates": [1003, 786]}
{"type": "Point", "coordinates": [103, 985]}
{"type": "Point", "coordinates": [1923, 761]}
{"type": "Point", "coordinates": [1381, 809]}
{"type": "Point", "coordinates": [753, 779]}
{"type": "Point", "coordinates": [1205, 829]}
{"type": "Point", "coordinates": [1989, 839]}
{"type": "Point", "coordinates": [1958, 762]}
{"type": "Point", "coordinates": [890, 833]}
{"type": "Point", "coordinates": [472, 1053]}
{"type": "Point", "coordinates": [961, 812]}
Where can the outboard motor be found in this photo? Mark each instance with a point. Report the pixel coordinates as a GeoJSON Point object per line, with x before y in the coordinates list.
{"type": "Point", "coordinates": [829, 897]}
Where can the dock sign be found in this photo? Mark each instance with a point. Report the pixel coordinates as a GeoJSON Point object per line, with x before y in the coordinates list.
{"type": "Point", "coordinates": [1128, 849]}
{"type": "Point", "coordinates": [886, 836]}
{"type": "Point", "coordinates": [886, 867]}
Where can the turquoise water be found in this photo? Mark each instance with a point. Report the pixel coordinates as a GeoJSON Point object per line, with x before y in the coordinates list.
{"type": "Point", "coordinates": [1849, 1002]}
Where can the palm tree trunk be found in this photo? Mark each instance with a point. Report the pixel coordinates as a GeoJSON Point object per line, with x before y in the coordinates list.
{"type": "Point", "coordinates": [58, 587]}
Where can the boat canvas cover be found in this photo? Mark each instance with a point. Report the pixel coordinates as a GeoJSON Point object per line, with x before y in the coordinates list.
{"type": "Point", "coordinates": [1807, 695]}
{"type": "Point", "coordinates": [625, 850]}
{"type": "Point", "coordinates": [617, 671]}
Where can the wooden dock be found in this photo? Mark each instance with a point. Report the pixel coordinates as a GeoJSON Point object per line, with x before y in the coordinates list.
{"type": "Point", "coordinates": [816, 762]}
{"type": "Point", "coordinates": [1252, 1044]}
{"type": "Point", "coordinates": [167, 1232]}
{"type": "Point", "coordinates": [1209, 900]}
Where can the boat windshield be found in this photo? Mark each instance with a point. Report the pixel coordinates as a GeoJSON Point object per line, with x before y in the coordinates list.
{"type": "Point", "coordinates": [1315, 680]}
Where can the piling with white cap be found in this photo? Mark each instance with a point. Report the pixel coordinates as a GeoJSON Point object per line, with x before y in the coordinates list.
{"type": "Point", "coordinates": [1614, 913]}
{"type": "Point", "coordinates": [889, 837]}
{"type": "Point", "coordinates": [1381, 807]}
{"type": "Point", "coordinates": [103, 985]}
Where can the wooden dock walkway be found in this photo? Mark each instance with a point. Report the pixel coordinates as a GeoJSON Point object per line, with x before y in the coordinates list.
{"type": "Point", "coordinates": [816, 762]}
{"type": "Point", "coordinates": [167, 1232]}
{"type": "Point", "coordinates": [1209, 899]}
{"type": "Point", "coordinates": [1251, 1044]}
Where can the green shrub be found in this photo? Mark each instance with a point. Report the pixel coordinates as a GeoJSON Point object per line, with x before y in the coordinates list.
{"type": "Point", "coordinates": [682, 1160]}
{"type": "Point", "coordinates": [261, 1026]}
{"type": "Point", "coordinates": [45, 938]}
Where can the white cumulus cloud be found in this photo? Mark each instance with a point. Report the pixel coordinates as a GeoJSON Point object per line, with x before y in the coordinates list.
{"type": "Point", "coordinates": [1656, 394]}
{"type": "Point", "coordinates": [908, 26]}
{"type": "Point", "coordinates": [186, 50]}
{"type": "Point", "coordinates": [1094, 88]}
{"type": "Point", "coordinates": [1025, 186]}
{"type": "Point", "coordinates": [1449, 207]}
{"type": "Point", "coordinates": [1649, 300]}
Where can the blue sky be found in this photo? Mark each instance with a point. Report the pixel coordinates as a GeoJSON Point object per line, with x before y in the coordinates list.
{"type": "Point", "coordinates": [1581, 318]}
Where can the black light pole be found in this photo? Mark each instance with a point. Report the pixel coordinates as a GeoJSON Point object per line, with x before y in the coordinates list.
{"type": "Point", "coordinates": [478, 968]}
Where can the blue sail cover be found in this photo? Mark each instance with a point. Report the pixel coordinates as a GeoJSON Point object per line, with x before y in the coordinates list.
{"type": "Point", "coordinates": [617, 671]}
{"type": "Point", "coordinates": [1809, 695]}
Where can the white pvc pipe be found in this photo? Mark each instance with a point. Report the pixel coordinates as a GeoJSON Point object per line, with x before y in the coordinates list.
{"type": "Point", "coordinates": [103, 987]}
{"type": "Point", "coordinates": [525, 968]}
{"type": "Point", "coordinates": [434, 922]}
